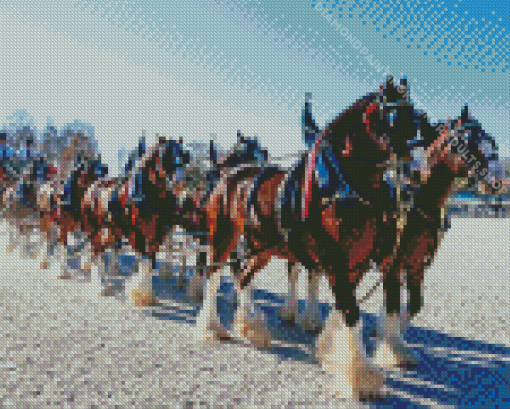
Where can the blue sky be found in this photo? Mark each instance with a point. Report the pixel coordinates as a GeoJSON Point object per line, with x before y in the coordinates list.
{"type": "Point", "coordinates": [199, 67]}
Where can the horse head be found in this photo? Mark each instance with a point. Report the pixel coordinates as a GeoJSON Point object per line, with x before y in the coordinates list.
{"type": "Point", "coordinates": [91, 171]}
{"type": "Point", "coordinates": [136, 154]}
{"type": "Point", "coordinates": [463, 146]}
{"type": "Point", "coordinates": [480, 151]}
{"type": "Point", "coordinates": [246, 151]}
{"type": "Point", "coordinates": [375, 125]}
{"type": "Point", "coordinates": [171, 159]}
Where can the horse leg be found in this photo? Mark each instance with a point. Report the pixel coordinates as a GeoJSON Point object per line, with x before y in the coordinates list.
{"type": "Point", "coordinates": [80, 244]}
{"type": "Point", "coordinates": [312, 321]}
{"type": "Point", "coordinates": [391, 351]}
{"type": "Point", "coordinates": [207, 325]}
{"type": "Point", "coordinates": [290, 311]}
{"type": "Point", "coordinates": [115, 281]}
{"type": "Point", "coordinates": [340, 349]}
{"type": "Point", "coordinates": [62, 255]}
{"type": "Point", "coordinates": [196, 285]}
{"type": "Point", "coordinates": [32, 247]}
{"type": "Point", "coordinates": [17, 234]}
{"type": "Point", "coordinates": [415, 290]}
{"type": "Point", "coordinates": [86, 259]}
{"type": "Point", "coordinates": [51, 244]}
{"type": "Point", "coordinates": [248, 324]}
{"type": "Point", "coordinates": [181, 278]}
{"type": "Point", "coordinates": [140, 288]}
{"type": "Point", "coordinates": [73, 250]}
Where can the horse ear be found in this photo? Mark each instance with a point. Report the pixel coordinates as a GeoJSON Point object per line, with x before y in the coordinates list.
{"type": "Point", "coordinates": [389, 82]}
{"type": "Point", "coordinates": [404, 89]}
{"type": "Point", "coordinates": [464, 116]}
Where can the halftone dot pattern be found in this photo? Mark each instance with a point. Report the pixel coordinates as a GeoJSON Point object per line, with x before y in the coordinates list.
{"type": "Point", "coordinates": [127, 84]}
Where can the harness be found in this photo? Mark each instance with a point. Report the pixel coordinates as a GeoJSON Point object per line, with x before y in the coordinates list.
{"type": "Point", "coordinates": [432, 219]}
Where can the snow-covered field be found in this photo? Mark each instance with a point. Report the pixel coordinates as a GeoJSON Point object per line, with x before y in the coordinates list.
{"type": "Point", "coordinates": [60, 344]}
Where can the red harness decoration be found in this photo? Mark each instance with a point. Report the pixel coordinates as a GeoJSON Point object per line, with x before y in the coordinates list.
{"type": "Point", "coordinates": [309, 179]}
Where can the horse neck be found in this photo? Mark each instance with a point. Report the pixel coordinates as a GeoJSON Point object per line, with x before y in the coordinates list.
{"type": "Point", "coordinates": [81, 188]}
{"type": "Point", "coordinates": [150, 184]}
{"type": "Point", "coordinates": [369, 181]}
{"type": "Point", "coordinates": [433, 193]}
{"type": "Point", "coordinates": [192, 214]}
{"type": "Point", "coordinates": [230, 161]}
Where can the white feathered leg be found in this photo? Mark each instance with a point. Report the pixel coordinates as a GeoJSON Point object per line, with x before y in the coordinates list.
{"type": "Point", "coordinates": [391, 351]}
{"type": "Point", "coordinates": [140, 287]}
{"type": "Point", "coordinates": [340, 351]}
{"type": "Point", "coordinates": [196, 284]}
{"type": "Point", "coordinates": [247, 323]}
{"type": "Point", "coordinates": [312, 321]}
{"type": "Point", "coordinates": [208, 326]}
{"type": "Point", "coordinates": [290, 310]}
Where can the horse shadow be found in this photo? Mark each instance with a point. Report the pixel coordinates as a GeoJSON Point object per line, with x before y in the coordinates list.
{"type": "Point", "coordinates": [452, 371]}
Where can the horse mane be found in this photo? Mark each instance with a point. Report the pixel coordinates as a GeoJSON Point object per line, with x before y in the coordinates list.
{"type": "Point", "coordinates": [236, 152]}
{"type": "Point", "coordinates": [347, 123]}
{"type": "Point", "coordinates": [150, 155]}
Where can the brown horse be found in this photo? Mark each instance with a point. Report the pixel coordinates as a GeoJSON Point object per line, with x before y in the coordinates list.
{"type": "Point", "coordinates": [21, 200]}
{"type": "Point", "coordinates": [449, 157]}
{"type": "Point", "coordinates": [60, 208]}
{"type": "Point", "coordinates": [7, 179]}
{"type": "Point", "coordinates": [247, 151]}
{"type": "Point", "coordinates": [338, 222]}
{"type": "Point", "coordinates": [445, 161]}
{"type": "Point", "coordinates": [112, 214]}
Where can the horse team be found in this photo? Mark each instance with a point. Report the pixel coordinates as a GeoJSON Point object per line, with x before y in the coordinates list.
{"type": "Point", "coordinates": [353, 199]}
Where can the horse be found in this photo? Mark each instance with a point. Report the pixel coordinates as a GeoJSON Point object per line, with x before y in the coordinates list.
{"type": "Point", "coordinates": [246, 151]}
{"type": "Point", "coordinates": [60, 211]}
{"type": "Point", "coordinates": [84, 175]}
{"type": "Point", "coordinates": [112, 214]}
{"type": "Point", "coordinates": [337, 223]}
{"type": "Point", "coordinates": [38, 178]}
{"type": "Point", "coordinates": [312, 321]}
{"type": "Point", "coordinates": [425, 226]}
{"type": "Point", "coordinates": [21, 199]}
{"type": "Point", "coordinates": [8, 174]}
{"type": "Point", "coordinates": [450, 156]}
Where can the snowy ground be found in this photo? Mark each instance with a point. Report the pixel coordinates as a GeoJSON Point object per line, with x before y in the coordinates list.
{"type": "Point", "coordinates": [60, 344]}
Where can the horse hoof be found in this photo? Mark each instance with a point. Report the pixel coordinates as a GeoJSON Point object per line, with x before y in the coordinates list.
{"type": "Point", "coordinates": [255, 329]}
{"type": "Point", "coordinates": [65, 276]}
{"type": "Point", "coordinates": [312, 325]}
{"type": "Point", "coordinates": [196, 298]}
{"type": "Point", "coordinates": [392, 354]}
{"type": "Point", "coordinates": [371, 397]}
{"type": "Point", "coordinates": [108, 292]}
{"type": "Point", "coordinates": [181, 284]}
{"type": "Point", "coordinates": [312, 328]}
{"type": "Point", "coordinates": [363, 384]}
{"type": "Point", "coordinates": [215, 332]}
{"type": "Point", "coordinates": [369, 383]}
{"type": "Point", "coordinates": [143, 297]}
{"type": "Point", "coordinates": [287, 315]}
{"type": "Point", "coordinates": [410, 365]}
